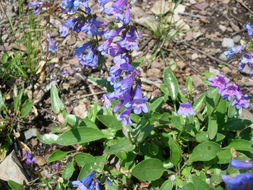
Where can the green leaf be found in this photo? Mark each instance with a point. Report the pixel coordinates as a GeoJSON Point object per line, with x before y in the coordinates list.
{"type": "Point", "coordinates": [5, 58]}
{"type": "Point", "coordinates": [199, 184]}
{"type": "Point", "coordinates": [122, 145]}
{"type": "Point", "coordinates": [103, 82]}
{"type": "Point", "coordinates": [17, 101]}
{"type": "Point", "coordinates": [175, 152]}
{"type": "Point", "coordinates": [80, 135]}
{"type": "Point", "coordinates": [224, 156]}
{"type": "Point", "coordinates": [70, 119]}
{"type": "Point", "coordinates": [2, 103]}
{"type": "Point", "coordinates": [204, 152]}
{"type": "Point", "coordinates": [56, 104]}
{"type": "Point", "coordinates": [171, 81]}
{"type": "Point", "coordinates": [189, 186]}
{"type": "Point", "coordinates": [69, 170]}
{"type": "Point", "coordinates": [154, 105]}
{"type": "Point", "coordinates": [15, 186]}
{"type": "Point", "coordinates": [149, 170]}
{"type": "Point", "coordinates": [26, 108]}
{"type": "Point", "coordinates": [110, 121]}
{"type": "Point", "coordinates": [212, 99]}
{"type": "Point", "coordinates": [57, 155]}
{"type": "Point", "coordinates": [167, 185]}
{"type": "Point", "coordinates": [189, 84]}
{"type": "Point", "coordinates": [212, 127]}
{"type": "Point", "coordinates": [236, 124]}
{"type": "Point", "coordinates": [200, 102]}
{"type": "Point", "coordinates": [83, 159]}
{"type": "Point", "coordinates": [241, 145]}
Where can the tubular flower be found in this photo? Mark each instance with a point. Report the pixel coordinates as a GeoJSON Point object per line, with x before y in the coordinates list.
{"type": "Point", "coordinates": [185, 109]}
{"type": "Point", "coordinates": [51, 44]}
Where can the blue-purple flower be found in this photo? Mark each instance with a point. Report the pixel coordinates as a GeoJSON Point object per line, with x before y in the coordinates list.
{"type": "Point", "coordinates": [242, 181]}
{"type": "Point", "coordinates": [93, 26]}
{"type": "Point", "coordinates": [219, 82]}
{"type": "Point", "coordinates": [125, 117]}
{"type": "Point", "coordinates": [72, 6]}
{"type": "Point", "coordinates": [51, 44]}
{"type": "Point", "coordinates": [247, 59]}
{"type": "Point", "coordinates": [250, 29]}
{"type": "Point", "coordinates": [231, 90]}
{"type": "Point", "coordinates": [88, 183]}
{"type": "Point", "coordinates": [234, 50]}
{"type": "Point", "coordinates": [243, 102]}
{"type": "Point", "coordinates": [129, 40]}
{"type": "Point", "coordinates": [29, 159]}
{"type": "Point", "coordinates": [37, 4]}
{"type": "Point", "coordinates": [242, 165]}
{"type": "Point", "coordinates": [139, 102]}
{"type": "Point", "coordinates": [185, 109]}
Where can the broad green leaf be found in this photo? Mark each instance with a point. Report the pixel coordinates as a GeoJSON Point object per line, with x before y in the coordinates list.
{"type": "Point", "coordinates": [189, 84]}
{"type": "Point", "coordinates": [110, 121]}
{"type": "Point", "coordinates": [79, 135]}
{"type": "Point", "coordinates": [204, 152]}
{"type": "Point", "coordinates": [26, 108]}
{"type": "Point", "coordinates": [224, 156]}
{"type": "Point", "coordinates": [165, 89]}
{"type": "Point", "coordinates": [71, 119]}
{"type": "Point", "coordinates": [189, 186]}
{"type": "Point", "coordinates": [5, 58]}
{"type": "Point", "coordinates": [103, 82]}
{"type": "Point", "coordinates": [149, 170]}
{"type": "Point", "coordinates": [69, 170]}
{"type": "Point", "coordinates": [175, 152]}
{"type": "Point", "coordinates": [241, 145]}
{"type": "Point", "coordinates": [83, 159]}
{"type": "Point", "coordinates": [56, 104]}
{"type": "Point", "coordinates": [56, 155]}
{"type": "Point", "coordinates": [236, 124]}
{"type": "Point", "coordinates": [15, 186]}
{"type": "Point", "coordinates": [48, 138]}
{"type": "Point", "coordinates": [171, 81]}
{"type": "Point", "coordinates": [199, 184]}
{"type": "Point", "coordinates": [212, 127]}
{"type": "Point", "coordinates": [122, 145]}
{"type": "Point", "coordinates": [167, 185]}
{"type": "Point", "coordinates": [212, 98]}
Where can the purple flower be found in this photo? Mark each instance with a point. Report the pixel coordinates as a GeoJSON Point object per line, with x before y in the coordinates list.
{"type": "Point", "coordinates": [80, 50]}
{"type": "Point", "coordinates": [139, 102]}
{"type": "Point", "coordinates": [130, 40]}
{"type": "Point", "coordinates": [70, 24]}
{"type": "Point", "coordinates": [243, 102]}
{"type": "Point", "coordinates": [231, 90]}
{"type": "Point", "coordinates": [86, 183]}
{"type": "Point", "coordinates": [113, 33]}
{"type": "Point", "coordinates": [92, 27]}
{"type": "Point", "coordinates": [51, 44]}
{"type": "Point", "coordinates": [110, 48]}
{"type": "Point", "coordinates": [250, 29]}
{"type": "Point", "coordinates": [247, 59]}
{"type": "Point", "coordinates": [121, 64]}
{"type": "Point", "coordinates": [29, 158]}
{"type": "Point", "coordinates": [125, 117]}
{"type": "Point", "coordinates": [37, 4]}
{"type": "Point", "coordinates": [72, 6]}
{"type": "Point", "coordinates": [102, 4]}
{"type": "Point", "coordinates": [241, 164]}
{"type": "Point", "coordinates": [126, 84]}
{"type": "Point", "coordinates": [126, 18]}
{"type": "Point", "coordinates": [90, 59]}
{"type": "Point", "coordinates": [219, 82]}
{"type": "Point", "coordinates": [234, 50]}
{"type": "Point", "coordinates": [185, 109]}
{"type": "Point", "coordinates": [242, 181]}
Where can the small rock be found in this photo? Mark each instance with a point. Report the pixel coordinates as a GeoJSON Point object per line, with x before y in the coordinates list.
{"type": "Point", "coordinates": [247, 69]}
{"type": "Point", "coordinates": [213, 70]}
{"type": "Point", "coordinates": [202, 6]}
{"type": "Point", "coordinates": [11, 169]}
{"type": "Point", "coordinates": [195, 56]}
{"type": "Point", "coordinates": [223, 57]}
{"type": "Point", "coordinates": [197, 82]}
{"type": "Point", "coordinates": [80, 110]}
{"type": "Point", "coordinates": [222, 28]}
{"type": "Point", "coordinates": [31, 133]}
{"type": "Point", "coordinates": [181, 64]}
{"type": "Point", "coordinates": [227, 42]}
{"type": "Point", "coordinates": [237, 38]}
{"type": "Point", "coordinates": [153, 73]}
{"type": "Point", "coordinates": [160, 7]}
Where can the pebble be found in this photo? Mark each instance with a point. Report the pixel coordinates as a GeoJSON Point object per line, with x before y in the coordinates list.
{"type": "Point", "coordinates": [237, 38]}
{"type": "Point", "coordinates": [227, 42]}
{"type": "Point", "coordinates": [195, 56]}
{"type": "Point", "coordinates": [31, 133]}
{"type": "Point", "coordinates": [223, 57]}
{"type": "Point", "coordinates": [222, 28]}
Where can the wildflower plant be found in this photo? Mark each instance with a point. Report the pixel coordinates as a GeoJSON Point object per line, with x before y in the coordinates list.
{"type": "Point", "coordinates": [174, 141]}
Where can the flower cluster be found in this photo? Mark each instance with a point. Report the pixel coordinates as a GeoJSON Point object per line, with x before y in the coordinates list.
{"type": "Point", "coordinates": [28, 157]}
{"type": "Point", "coordinates": [120, 39]}
{"type": "Point", "coordinates": [230, 91]}
{"type": "Point", "coordinates": [243, 181]}
{"type": "Point", "coordinates": [247, 58]}
{"type": "Point", "coordinates": [88, 183]}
